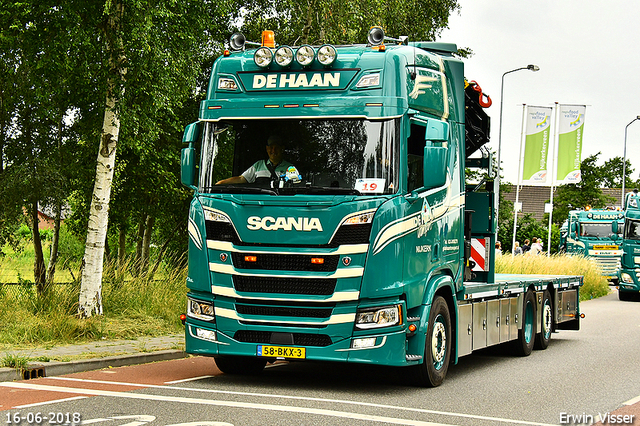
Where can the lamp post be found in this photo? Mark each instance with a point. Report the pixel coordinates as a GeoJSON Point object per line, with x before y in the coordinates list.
{"type": "Point", "coordinates": [624, 159]}
{"type": "Point", "coordinates": [497, 196]}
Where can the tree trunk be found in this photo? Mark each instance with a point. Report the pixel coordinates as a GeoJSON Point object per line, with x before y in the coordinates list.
{"type": "Point", "coordinates": [137, 262]}
{"type": "Point", "coordinates": [39, 271]}
{"type": "Point", "coordinates": [53, 259]}
{"type": "Point", "coordinates": [146, 245]}
{"type": "Point", "coordinates": [90, 301]}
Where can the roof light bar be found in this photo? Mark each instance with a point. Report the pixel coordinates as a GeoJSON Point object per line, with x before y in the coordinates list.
{"type": "Point", "coordinates": [284, 56]}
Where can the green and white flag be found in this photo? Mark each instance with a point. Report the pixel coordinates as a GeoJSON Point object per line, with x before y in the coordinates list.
{"type": "Point", "coordinates": [536, 145]}
{"type": "Point", "coordinates": [570, 128]}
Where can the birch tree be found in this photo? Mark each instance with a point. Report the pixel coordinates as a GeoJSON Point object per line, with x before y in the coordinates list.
{"type": "Point", "coordinates": [90, 301]}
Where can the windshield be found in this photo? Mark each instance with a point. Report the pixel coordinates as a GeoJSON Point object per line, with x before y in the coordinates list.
{"type": "Point", "coordinates": [632, 229]}
{"type": "Point", "coordinates": [282, 157]}
{"type": "Point", "coordinates": [595, 230]}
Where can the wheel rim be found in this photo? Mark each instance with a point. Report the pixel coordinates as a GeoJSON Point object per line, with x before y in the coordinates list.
{"type": "Point", "coordinates": [546, 319]}
{"type": "Point", "coordinates": [438, 342]}
{"type": "Point", "coordinates": [528, 322]}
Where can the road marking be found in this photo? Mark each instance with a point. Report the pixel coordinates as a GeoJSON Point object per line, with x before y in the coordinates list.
{"type": "Point", "coordinates": [233, 404]}
{"type": "Point", "coordinates": [173, 382]}
{"type": "Point", "coordinates": [36, 404]}
{"type": "Point", "coordinates": [304, 398]}
{"type": "Point", "coordinates": [632, 401]}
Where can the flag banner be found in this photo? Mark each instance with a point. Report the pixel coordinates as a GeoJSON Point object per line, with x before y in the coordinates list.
{"type": "Point", "coordinates": [536, 145]}
{"type": "Point", "coordinates": [570, 128]}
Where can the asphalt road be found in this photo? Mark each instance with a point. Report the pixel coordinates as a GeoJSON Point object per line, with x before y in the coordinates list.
{"type": "Point", "coordinates": [582, 374]}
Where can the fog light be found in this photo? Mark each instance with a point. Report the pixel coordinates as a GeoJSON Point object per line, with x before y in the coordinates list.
{"type": "Point", "coordinates": [363, 343]}
{"type": "Point", "coordinates": [206, 334]}
{"type": "Point", "coordinates": [263, 57]}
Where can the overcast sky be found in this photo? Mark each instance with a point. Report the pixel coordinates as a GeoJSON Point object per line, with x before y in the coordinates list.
{"type": "Point", "coordinates": [587, 51]}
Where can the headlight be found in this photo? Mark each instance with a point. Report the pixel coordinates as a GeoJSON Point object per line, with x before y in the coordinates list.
{"type": "Point", "coordinates": [200, 310]}
{"type": "Point", "coordinates": [626, 278]}
{"type": "Point", "coordinates": [360, 219]}
{"type": "Point", "coordinates": [263, 57]}
{"type": "Point", "coordinates": [284, 56]}
{"type": "Point", "coordinates": [327, 54]}
{"type": "Point", "coordinates": [305, 55]}
{"type": "Point", "coordinates": [379, 317]}
{"type": "Point", "coordinates": [215, 216]}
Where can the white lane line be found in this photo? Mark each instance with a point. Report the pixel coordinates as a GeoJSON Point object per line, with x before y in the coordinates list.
{"type": "Point", "coordinates": [37, 404]}
{"type": "Point", "coordinates": [632, 401]}
{"type": "Point", "coordinates": [305, 398]}
{"type": "Point", "coordinates": [234, 404]}
{"type": "Point", "coordinates": [191, 379]}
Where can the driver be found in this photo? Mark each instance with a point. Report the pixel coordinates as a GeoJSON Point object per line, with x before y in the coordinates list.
{"type": "Point", "coordinates": [271, 168]}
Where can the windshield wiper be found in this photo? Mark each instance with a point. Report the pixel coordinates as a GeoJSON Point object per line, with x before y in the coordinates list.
{"type": "Point", "coordinates": [233, 189]}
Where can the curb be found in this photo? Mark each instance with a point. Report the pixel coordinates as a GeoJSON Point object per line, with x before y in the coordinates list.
{"type": "Point", "coordinates": [55, 368]}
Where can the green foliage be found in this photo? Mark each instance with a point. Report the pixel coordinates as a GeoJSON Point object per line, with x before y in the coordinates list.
{"type": "Point", "coordinates": [586, 193]}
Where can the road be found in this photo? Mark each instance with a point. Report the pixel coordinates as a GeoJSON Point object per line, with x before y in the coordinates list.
{"type": "Point", "coordinates": [582, 374]}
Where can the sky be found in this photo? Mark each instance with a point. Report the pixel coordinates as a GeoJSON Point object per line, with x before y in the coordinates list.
{"type": "Point", "coordinates": [587, 51]}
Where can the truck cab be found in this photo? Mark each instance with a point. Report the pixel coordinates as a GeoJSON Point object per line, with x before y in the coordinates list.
{"type": "Point", "coordinates": [590, 233]}
{"type": "Point", "coordinates": [629, 274]}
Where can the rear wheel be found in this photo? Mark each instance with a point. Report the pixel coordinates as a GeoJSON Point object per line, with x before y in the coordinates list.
{"type": "Point", "coordinates": [526, 335]}
{"type": "Point", "coordinates": [437, 346]}
{"type": "Point", "coordinates": [240, 364]}
{"type": "Point", "coordinates": [546, 322]}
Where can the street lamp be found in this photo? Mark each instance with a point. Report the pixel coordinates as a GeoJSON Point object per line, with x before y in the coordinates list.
{"type": "Point", "coordinates": [497, 195]}
{"type": "Point", "coordinates": [624, 159]}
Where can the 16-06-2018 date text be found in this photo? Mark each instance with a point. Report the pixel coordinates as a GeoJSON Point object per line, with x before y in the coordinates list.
{"type": "Point", "coordinates": [50, 418]}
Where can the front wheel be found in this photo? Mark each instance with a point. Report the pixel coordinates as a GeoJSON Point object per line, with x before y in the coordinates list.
{"type": "Point", "coordinates": [546, 322]}
{"type": "Point", "coordinates": [438, 345]}
{"type": "Point", "coordinates": [526, 334]}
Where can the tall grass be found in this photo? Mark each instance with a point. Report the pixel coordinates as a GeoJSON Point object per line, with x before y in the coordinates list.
{"type": "Point", "coordinates": [133, 306]}
{"type": "Point", "coordinates": [595, 285]}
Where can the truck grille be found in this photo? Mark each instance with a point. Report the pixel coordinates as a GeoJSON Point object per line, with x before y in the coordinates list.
{"type": "Point", "coordinates": [310, 286]}
{"type": "Point", "coordinates": [302, 339]}
{"type": "Point", "coordinates": [352, 234]}
{"type": "Point", "coordinates": [285, 262]}
{"type": "Point", "coordinates": [269, 311]}
{"type": "Point", "coordinates": [221, 231]}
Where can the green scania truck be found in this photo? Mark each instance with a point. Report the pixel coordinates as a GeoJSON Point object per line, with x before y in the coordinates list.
{"type": "Point", "coordinates": [589, 233]}
{"type": "Point", "coordinates": [629, 273]}
{"type": "Point", "coordinates": [369, 247]}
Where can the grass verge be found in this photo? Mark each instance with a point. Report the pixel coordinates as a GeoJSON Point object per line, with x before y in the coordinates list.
{"type": "Point", "coordinates": [595, 285]}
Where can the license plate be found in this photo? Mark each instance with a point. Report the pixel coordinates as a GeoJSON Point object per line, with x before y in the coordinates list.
{"type": "Point", "coordinates": [281, 352]}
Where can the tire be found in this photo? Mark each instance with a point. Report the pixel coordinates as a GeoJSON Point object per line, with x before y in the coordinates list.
{"type": "Point", "coordinates": [627, 296]}
{"type": "Point", "coordinates": [437, 353]}
{"type": "Point", "coordinates": [546, 322]}
{"type": "Point", "coordinates": [526, 335]}
{"type": "Point", "coordinates": [241, 365]}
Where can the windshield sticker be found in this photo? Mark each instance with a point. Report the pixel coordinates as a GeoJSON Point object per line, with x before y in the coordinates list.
{"type": "Point", "coordinates": [370, 186]}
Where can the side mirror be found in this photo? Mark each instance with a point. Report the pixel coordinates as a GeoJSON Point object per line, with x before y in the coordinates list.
{"type": "Point", "coordinates": [188, 155]}
{"type": "Point", "coordinates": [188, 167]}
{"type": "Point", "coordinates": [435, 166]}
{"type": "Point", "coordinates": [614, 227]}
{"type": "Point", "coordinates": [191, 133]}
